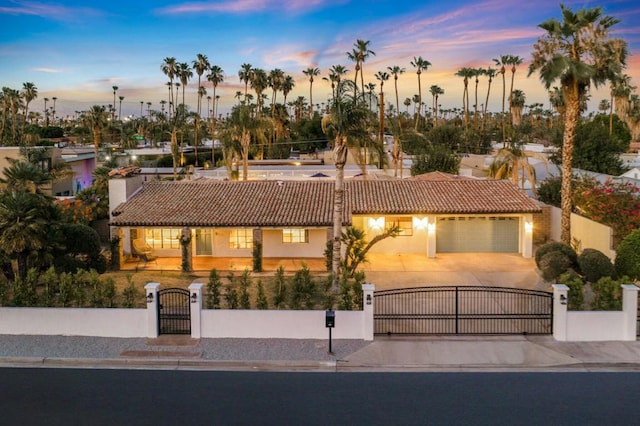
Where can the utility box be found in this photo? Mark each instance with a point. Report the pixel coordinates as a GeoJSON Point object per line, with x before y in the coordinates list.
{"type": "Point", "coordinates": [330, 319]}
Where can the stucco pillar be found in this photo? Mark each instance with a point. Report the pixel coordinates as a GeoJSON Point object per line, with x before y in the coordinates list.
{"type": "Point", "coordinates": [367, 311]}
{"type": "Point", "coordinates": [527, 236]}
{"type": "Point", "coordinates": [186, 250]}
{"type": "Point", "coordinates": [258, 250]}
{"type": "Point", "coordinates": [195, 291]}
{"type": "Point", "coordinates": [431, 237]}
{"type": "Point", "coordinates": [560, 292]}
{"type": "Point", "coordinates": [151, 294]}
{"type": "Point", "coordinates": [630, 309]}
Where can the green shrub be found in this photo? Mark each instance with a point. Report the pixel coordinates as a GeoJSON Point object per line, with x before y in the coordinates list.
{"type": "Point", "coordinates": [280, 288]}
{"type": "Point", "coordinates": [213, 290]}
{"type": "Point", "coordinates": [261, 299]}
{"type": "Point", "coordinates": [576, 290]}
{"type": "Point", "coordinates": [556, 246]}
{"type": "Point", "coordinates": [594, 265]}
{"type": "Point", "coordinates": [130, 293]}
{"type": "Point", "coordinates": [245, 282]}
{"type": "Point", "coordinates": [554, 264]}
{"type": "Point", "coordinates": [304, 289]}
{"type": "Point", "coordinates": [608, 295]}
{"type": "Point", "coordinates": [628, 256]}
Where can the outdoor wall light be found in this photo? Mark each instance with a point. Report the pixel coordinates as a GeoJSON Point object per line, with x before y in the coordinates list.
{"type": "Point", "coordinates": [419, 223]}
{"type": "Point", "coordinates": [563, 299]}
{"type": "Point", "coordinates": [376, 224]}
{"type": "Point", "coordinates": [194, 297]}
{"type": "Point", "coordinates": [368, 299]}
{"type": "Point", "coordinates": [528, 226]}
{"type": "Point", "coordinates": [150, 297]}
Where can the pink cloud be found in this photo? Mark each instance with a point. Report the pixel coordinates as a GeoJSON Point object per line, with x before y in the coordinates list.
{"type": "Point", "coordinates": [56, 12]}
{"type": "Point", "coordinates": [247, 6]}
{"type": "Point", "coordinates": [47, 70]}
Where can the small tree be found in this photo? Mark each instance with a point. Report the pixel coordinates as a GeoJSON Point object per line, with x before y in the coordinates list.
{"type": "Point", "coordinates": [628, 256]}
{"type": "Point", "coordinates": [261, 299]}
{"type": "Point", "coordinates": [557, 246]}
{"type": "Point", "coordinates": [130, 293]}
{"type": "Point", "coordinates": [245, 282]}
{"type": "Point", "coordinates": [554, 264]}
{"type": "Point", "coordinates": [608, 294]}
{"type": "Point", "coordinates": [231, 294]}
{"type": "Point", "coordinates": [304, 289]}
{"type": "Point", "coordinates": [356, 246]}
{"type": "Point", "coordinates": [213, 290]}
{"type": "Point", "coordinates": [594, 265]}
{"type": "Point", "coordinates": [280, 288]}
{"type": "Point", "coordinates": [576, 290]}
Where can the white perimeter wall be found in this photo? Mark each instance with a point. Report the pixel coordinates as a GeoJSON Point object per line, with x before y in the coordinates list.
{"type": "Point", "coordinates": [74, 322]}
{"type": "Point", "coordinates": [218, 323]}
{"type": "Point", "coordinates": [595, 326]}
{"type": "Point", "coordinates": [590, 234]}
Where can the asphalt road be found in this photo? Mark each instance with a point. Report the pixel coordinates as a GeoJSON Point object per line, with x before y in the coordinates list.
{"type": "Point", "coordinates": [143, 397]}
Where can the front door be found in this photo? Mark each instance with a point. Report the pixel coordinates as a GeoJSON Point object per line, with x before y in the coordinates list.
{"type": "Point", "coordinates": [203, 242]}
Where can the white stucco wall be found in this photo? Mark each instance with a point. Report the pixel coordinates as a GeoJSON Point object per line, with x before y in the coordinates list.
{"type": "Point", "coordinates": [272, 245]}
{"type": "Point", "coordinates": [74, 322]}
{"type": "Point", "coordinates": [589, 233]}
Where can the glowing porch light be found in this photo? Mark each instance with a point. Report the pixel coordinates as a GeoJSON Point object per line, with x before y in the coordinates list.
{"type": "Point", "coordinates": [528, 227]}
{"type": "Point", "coordinates": [376, 224]}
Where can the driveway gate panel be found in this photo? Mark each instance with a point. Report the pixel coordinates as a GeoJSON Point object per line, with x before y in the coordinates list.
{"type": "Point", "coordinates": [174, 311]}
{"type": "Point", "coordinates": [463, 310]}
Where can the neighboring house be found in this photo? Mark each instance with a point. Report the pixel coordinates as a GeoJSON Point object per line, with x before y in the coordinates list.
{"type": "Point", "coordinates": [15, 153]}
{"type": "Point", "coordinates": [293, 219]}
{"type": "Point", "coordinates": [82, 162]}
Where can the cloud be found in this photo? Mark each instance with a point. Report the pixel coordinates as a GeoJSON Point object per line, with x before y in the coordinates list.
{"type": "Point", "coordinates": [247, 6]}
{"type": "Point", "coordinates": [47, 70]}
{"type": "Point", "coordinates": [49, 11]}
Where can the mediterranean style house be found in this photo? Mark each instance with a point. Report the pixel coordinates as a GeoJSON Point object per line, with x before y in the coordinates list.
{"type": "Point", "coordinates": [294, 219]}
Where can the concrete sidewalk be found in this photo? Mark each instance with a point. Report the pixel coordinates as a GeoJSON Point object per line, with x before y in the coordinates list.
{"type": "Point", "coordinates": [441, 353]}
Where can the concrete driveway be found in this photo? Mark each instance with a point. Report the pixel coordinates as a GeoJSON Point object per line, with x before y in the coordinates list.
{"type": "Point", "coordinates": [487, 269]}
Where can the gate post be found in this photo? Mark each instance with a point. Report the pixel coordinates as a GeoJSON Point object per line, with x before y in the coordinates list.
{"type": "Point", "coordinates": [367, 311]}
{"type": "Point", "coordinates": [151, 295]}
{"type": "Point", "coordinates": [560, 312]}
{"type": "Point", "coordinates": [195, 289]}
{"type": "Point", "coordinates": [630, 309]}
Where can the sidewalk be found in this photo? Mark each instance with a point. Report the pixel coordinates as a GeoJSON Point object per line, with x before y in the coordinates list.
{"type": "Point", "coordinates": [448, 353]}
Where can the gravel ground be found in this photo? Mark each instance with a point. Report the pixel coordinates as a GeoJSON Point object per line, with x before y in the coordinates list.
{"type": "Point", "coordinates": [211, 349]}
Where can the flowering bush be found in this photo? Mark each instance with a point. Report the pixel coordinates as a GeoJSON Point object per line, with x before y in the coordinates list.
{"type": "Point", "coordinates": [76, 211]}
{"type": "Point", "coordinates": [615, 204]}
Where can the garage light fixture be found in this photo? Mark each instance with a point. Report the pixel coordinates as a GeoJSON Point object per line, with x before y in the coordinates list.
{"type": "Point", "coordinates": [528, 227]}
{"type": "Point", "coordinates": [420, 223]}
{"type": "Point", "coordinates": [376, 224]}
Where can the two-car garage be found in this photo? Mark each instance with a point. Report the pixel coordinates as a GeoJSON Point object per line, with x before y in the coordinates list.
{"type": "Point", "coordinates": [480, 234]}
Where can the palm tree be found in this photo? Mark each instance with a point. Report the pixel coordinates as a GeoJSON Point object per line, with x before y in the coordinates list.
{"type": "Point", "coordinates": [513, 163]}
{"type": "Point", "coordinates": [381, 76]}
{"type": "Point", "coordinates": [435, 91]}
{"type": "Point", "coordinates": [200, 65]}
{"type": "Point", "coordinates": [98, 119]}
{"type": "Point", "coordinates": [346, 125]}
{"type": "Point", "coordinates": [502, 62]}
{"type": "Point", "coordinates": [24, 176]}
{"type": "Point", "coordinates": [184, 74]}
{"type": "Point", "coordinates": [419, 64]}
{"type": "Point", "coordinates": [215, 76]}
{"type": "Point", "coordinates": [121, 98]}
{"type": "Point", "coordinates": [245, 76]}
{"type": "Point", "coordinates": [113, 112]}
{"type": "Point", "coordinates": [466, 74]}
{"type": "Point", "coordinates": [29, 93]}
{"type": "Point", "coordinates": [395, 72]}
{"type": "Point", "coordinates": [516, 104]}
{"type": "Point", "coordinates": [259, 82]}
{"type": "Point", "coordinates": [276, 79]}
{"type": "Point", "coordinates": [170, 68]}
{"type": "Point", "coordinates": [490, 73]}
{"type": "Point", "coordinates": [311, 72]}
{"type": "Point", "coordinates": [287, 86]}
{"type": "Point", "coordinates": [576, 52]}
{"type": "Point", "coordinates": [514, 61]}
{"type": "Point", "coordinates": [362, 52]}
{"type": "Point", "coordinates": [243, 128]}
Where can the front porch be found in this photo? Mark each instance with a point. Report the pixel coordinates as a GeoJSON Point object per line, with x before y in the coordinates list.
{"type": "Point", "coordinates": [206, 264]}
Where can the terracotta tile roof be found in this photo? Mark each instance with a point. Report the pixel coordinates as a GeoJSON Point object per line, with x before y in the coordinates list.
{"type": "Point", "coordinates": [436, 176]}
{"type": "Point", "coordinates": [310, 203]}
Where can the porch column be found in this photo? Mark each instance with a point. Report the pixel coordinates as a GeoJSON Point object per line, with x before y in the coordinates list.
{"type": "Point", "coordinates": [185, 245]}
{"type": "Point", "coordinates": [630, 309]}
{"type": "Point", "coordinates": [195, 291]}
{"type": "Point", "coordinates": [151, 294]}
{"type": "Point", "coordinates": [367, 311]}
{"type": "Point", "coordinates": [431, 237]}
{"type": "Point", "coordinates": [560, 312]}
{"type": "Point", "coordinates": [257, 250]}
{"type": "Point", "coordinates": [527, 236]}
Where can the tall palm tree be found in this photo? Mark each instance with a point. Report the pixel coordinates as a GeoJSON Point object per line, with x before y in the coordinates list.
{"type": "Point", "coordinates": [113, 112]}
{"type": "Point", "coordinates": [419, 64]}
{"type": "Point", "coordinates": [576, 52]}
{"type": "Point", "coordinates": [170, 68]}
{"type": "Point", "coordinates": [184, 74]}
{"type": "Point", "coordinates": [346, 125]}
{"type": "Point", "coordinates": [276, 79]}
{"type": "Point", "coordinates": [245, 76]}
{"type": "Point", "coordinates": [200, 66]}
{"type": "Point", "coordinates": [490, 73]}
{"type": "Point", "coordinates": [98, 119]}
{"type": "Point", "coordinates": [335, 76]}
{"type": "Point", "coordinates": [287, 86]}
{"type": "Point", "coordinates": [243, 128]}
{"type": "Point", "coordinates": [395, 72]}
{"type": "Point", "coordinates": [29, 93]}
{"type": "Point", "coordinates": [311, 72]}
{"type": "Point", "coordinates": [517, 102]}
{"type": "Point", "coordinates": [435, 91]}
{"type": "Point", "coordinates": [466, 74]}
{"type": "Point", "coordinates": [215, 76]}
{"type": "Point", "coordinates": [381, 76]}
{"type": "Point", "coordinates": [259, 81]}
{"type": "Point", "coordinates": [514, 61]}
{"type": "Point", "coordinates": [502, 63]}
{"type": "Point", "coordinates": [362, 52]}
{"type": "Point", "coordinates": [121, 98]}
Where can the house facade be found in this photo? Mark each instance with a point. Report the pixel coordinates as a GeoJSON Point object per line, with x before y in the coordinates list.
{"type": "Point", "coordinates": [294, 219]}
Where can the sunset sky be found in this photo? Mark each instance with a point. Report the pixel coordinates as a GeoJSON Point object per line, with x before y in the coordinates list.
{"type": "Point", "coordinates": [77, 50]}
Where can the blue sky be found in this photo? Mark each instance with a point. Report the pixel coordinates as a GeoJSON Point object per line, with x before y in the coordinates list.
{"type": "Point", "coordinates": [77, 50]}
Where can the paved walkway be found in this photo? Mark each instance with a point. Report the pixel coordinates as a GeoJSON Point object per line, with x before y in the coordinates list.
{"type": "Point", "coordinates": [449, 353]}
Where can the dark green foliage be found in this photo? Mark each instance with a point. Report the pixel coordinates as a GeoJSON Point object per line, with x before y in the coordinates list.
{"type": "Point", "coordinates": [557, 246]}
{"type": "Point", "coordinates": [66, 289]}
{"type": "Point", "coordinates": [436, 158]}
{"type": "Point", "coordinates": [628, 256]}
{"type": "Point", "coordinates": [24, 289]}
{"type": "Point", "coordinates": [328, 253]}
{"type": "Point", "coordinates": [261, 298]}
{"type": "Point", "coordinates": [130, 294]}
{"type": "Point", "coordinates": [213, 290]}
{"type": "Point", "coordinates": [280, 288]}
{"type": "Point", "coordinates": [576, 290]}
{"type": "Point", "coordinates": [597, 151]}
{"type": "Point", "coordinates": [351, 292]}
{"type": "Point", "coordinates": [114, 248]}
{"type": "Point", "coordinates": [51, 132]}
{"type": "Point", "coordinates": [553, 264]}
{"type": "Point", "coordinates": [231, 294]}
{"type": "Point", "coordinates": [608, 294]}
{"type": "Point", "coordinates": [594, 265]}
{"type": "Point", "coordinates": [549, 191]}
{"type": "Point", "coordinates": [245, 282]}
{"type": "Point", "coordinates": [303, 289]}
{"type": "Point", "coordinates": [257, 257]}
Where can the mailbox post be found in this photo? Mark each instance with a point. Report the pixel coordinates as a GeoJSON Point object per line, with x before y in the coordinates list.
{"type": "Point", "coordinates": [330, 322]}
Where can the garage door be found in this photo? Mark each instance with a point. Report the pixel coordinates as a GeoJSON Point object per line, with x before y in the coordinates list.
{"type": "Point", "coordinates": [491, 234]}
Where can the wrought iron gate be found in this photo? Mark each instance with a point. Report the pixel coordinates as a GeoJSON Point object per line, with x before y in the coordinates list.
{"type": "Point", "coordinates": [174, 311]}
{"type": "Point", "coordinates": [463, 310]}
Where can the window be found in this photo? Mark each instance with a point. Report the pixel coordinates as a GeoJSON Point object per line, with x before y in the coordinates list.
{"type": "Point", "coordinates": [163, 238]}
{"type": "Point", "coordinates": [405, 223]}
{"type": "Point", "coordinates": [295, 235]}
{"type": "Point", "coordinates": [241, 239]}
